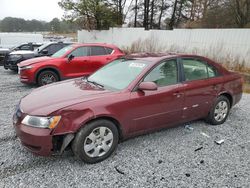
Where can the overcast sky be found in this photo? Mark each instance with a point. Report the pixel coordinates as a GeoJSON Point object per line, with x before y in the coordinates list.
{"type": "Point", "coordinates": [31, 9]}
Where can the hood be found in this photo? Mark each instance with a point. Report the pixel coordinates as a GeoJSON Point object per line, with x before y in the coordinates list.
{"type": "Point", "coordinates": [47, 99]}
{"type": "Point", "coordinates": [21, 52]}
{"type": "Point", "coordinates": [34, 60]}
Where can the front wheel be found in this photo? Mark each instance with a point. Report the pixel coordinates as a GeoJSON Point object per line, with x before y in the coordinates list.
{"type": "Point", "coordinates": [96, 141]}
{"type": "Point", "coordinates": [47, 77]}
{"type": "Point", "coordinates": [219, 112]}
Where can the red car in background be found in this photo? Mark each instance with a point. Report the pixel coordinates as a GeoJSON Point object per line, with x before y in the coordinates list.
{"type": "Point", "coordinates": [130, 96]}
{"type": "Point", "coordinates": [72, 61]}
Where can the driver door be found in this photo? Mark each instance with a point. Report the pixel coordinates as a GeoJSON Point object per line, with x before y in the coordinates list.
{"type": "Point", "coordinates": [153, 110]}
{"type": "Point", "coordinates": [79, 65]}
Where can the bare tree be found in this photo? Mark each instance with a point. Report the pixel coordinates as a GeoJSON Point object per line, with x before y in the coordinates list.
{"type": "Point", "coordinates": [172, 19]}
{"type": "Point", "coordinates": [152, 13]}
{"type": "Point", "coordinates": [242, 12]}
{"type": "Point", "coordinates": [136, 11]}
{"type": "Point", "coordinates": [146, 14]}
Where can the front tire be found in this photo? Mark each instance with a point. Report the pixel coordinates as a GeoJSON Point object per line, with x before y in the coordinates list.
{"type": "Point", "coordinates": [96, 141]}
{"type": "Point", "coordinates": [219, 111]}
{"type": "Point", "coordinates": [47, 77]}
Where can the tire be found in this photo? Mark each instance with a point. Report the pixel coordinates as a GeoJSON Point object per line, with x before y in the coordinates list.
{"type": "Point", "coordinates": [219, 111]}
{"type": "Point", "coordinates": [47, 77]}
{"type": "Point", "coordinates": [90, 146]}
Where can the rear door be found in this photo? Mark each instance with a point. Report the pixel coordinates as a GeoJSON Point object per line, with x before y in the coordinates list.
{"type": "Point", "coordinates": [152, 110]}
{"type": "Point", "coordinates": [100, 56]}
{"type": "Point", "coordinates": [80, 64]}
{"type": "Point", "coordinates": [201, 87]}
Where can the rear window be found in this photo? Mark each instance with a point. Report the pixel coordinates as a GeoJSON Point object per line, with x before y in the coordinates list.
{"type": "Point", "coordinates": [109, 50]}
{"type": "Point", "coordinates": [97, 51]}
{"type": "Point", "coordinates": [197, 70]}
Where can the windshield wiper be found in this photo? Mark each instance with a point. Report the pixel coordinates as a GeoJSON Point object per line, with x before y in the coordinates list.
{"type": "Point", "coordinates": [95, 83]}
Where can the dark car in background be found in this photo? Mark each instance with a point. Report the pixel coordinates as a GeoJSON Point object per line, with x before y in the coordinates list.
{"type": "Point", "coordinates": [25, 46]}
{"type": "Point", "coordinates": [12, 59]}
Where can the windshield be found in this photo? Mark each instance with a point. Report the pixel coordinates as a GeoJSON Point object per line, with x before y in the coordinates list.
{"type": "Point", "coordinates": [61, 52]}
{"type": "Point", "coordinates": [118, 74]}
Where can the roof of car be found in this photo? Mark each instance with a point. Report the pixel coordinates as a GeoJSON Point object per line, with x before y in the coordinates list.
{"type": "Point", "coordinates": [155, 57]}
{"type": "Point", "coordinates": [94, 44]}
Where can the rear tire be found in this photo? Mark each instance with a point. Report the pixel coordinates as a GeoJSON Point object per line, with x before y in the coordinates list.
{"type": "Point", "coordinates": [96, 141]}
{"type": "Point", "coordinates": [47, 77]}
{"type": "Point", "coordinates": [219, 111]}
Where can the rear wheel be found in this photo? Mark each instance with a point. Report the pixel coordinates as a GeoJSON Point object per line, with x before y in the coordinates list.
{"type": "Point", "coordinates": [219, 112]}
{"type": "Point", "coordinates": [47, 77]}
{"type": "Point", "coordinates": [96, 141]}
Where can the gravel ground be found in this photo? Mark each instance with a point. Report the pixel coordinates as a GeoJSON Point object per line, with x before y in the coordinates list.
{"type": "Point", "coordinates": [176, 157]}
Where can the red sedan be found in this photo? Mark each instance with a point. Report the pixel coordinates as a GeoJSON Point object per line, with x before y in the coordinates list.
{"type": "Point", "coordinates": [72, 61]}
{"type": "Point", "coordinates": [130, 96]}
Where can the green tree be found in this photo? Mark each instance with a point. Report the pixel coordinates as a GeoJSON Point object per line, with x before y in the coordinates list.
{"type": "Point", "coordinates": [55, 25]}
{"type": "Point", "coordinates": [91, 14]}
{"type": "Point", "coordinates": [10, 24]}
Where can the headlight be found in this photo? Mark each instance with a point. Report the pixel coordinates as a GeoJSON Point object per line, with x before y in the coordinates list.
{"type": "Point", "coordinates": [25, 67]}
{"type": "Point", "coordinates": [41, 122]}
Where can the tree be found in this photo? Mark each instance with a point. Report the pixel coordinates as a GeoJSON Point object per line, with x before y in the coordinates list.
{"type": "Point", "coordinates": [136, 11]}
{"type": "Point", "coordinates": [241, 9]}
{"type": "Point", "coordinates": [172, 19]}
{"type": "Point", "coordinates": [55, 25]}
{"type": "Point", "coordinates": [146, 14]}
{"type": "Point", "coordinates": [119, 6]}
{"type": "Point", "coordinates": [94, 14]}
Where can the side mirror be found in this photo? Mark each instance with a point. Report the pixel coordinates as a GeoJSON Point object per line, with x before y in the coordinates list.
{"type": "Point", "coordinates": [147, 86]}
{"type": "Point", "coordinates": [45, 52]}
{"type": "Point", "coordinates": [71, 56]}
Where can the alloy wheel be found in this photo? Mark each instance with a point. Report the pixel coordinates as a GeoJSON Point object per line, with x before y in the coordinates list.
{"type": "Point", "coordinates": [48, 79]}
{"type": "Point", "coordinates": [98, 142]}
{"type": "Point", "coordinates": [221, 111]}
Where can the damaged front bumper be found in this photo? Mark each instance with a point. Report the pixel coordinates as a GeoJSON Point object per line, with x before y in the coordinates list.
{"type": "Point", "coordinates": [41, 142]}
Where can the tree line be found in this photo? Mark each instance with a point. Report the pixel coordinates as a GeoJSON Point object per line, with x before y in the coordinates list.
{"type": "Point", "coordinates": [10, 24]}
{"type": "Point", "coordinates": [158, 14]}
{"type": "Point", "coordinates": [150, 14]}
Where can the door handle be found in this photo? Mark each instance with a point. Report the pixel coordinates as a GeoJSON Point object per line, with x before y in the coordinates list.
{"type": "Point", "coordinates": [215, 87]}
{"type": "Point", "coordinates": [178, 94]}
{"type": "Point", "coordinates": [108, 58]}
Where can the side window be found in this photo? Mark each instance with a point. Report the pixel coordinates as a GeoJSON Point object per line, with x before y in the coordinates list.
{"type": "Point", "coordinates": [212, 72]}
{"type": "Point", "coordinates": [97, 50]}
{"type": "Point", "coordinates": [109, 50]}
{"type": "Point", "coordinates": [194, 69]}
{"type": "Point", "coordinates": [80, 52]}
{"type": "Point", "coordinates": [164, 74]}
{"type": "Point", "coordinates": [25, 47]}
{"type": "Point", "coordinates": [53, 48]}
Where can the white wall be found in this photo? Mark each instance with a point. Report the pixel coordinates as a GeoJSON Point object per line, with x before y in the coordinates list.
{"type": "Point", "coordinates": [12, 39]}
{"type": "Point", "coordinates": [219, 43]}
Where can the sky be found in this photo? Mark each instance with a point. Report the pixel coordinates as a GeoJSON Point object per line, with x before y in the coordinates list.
{"type": "Point", "coordinates": [44, 10]}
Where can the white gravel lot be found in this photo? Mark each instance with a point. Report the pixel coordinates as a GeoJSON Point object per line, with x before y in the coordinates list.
{"type": "Point", "coordinates": [175, 157]}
